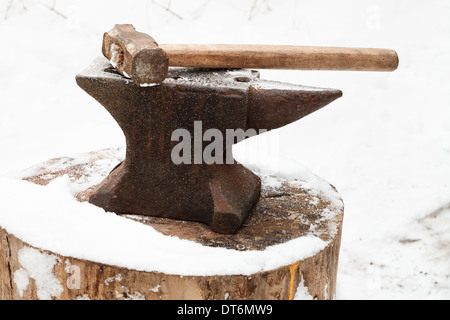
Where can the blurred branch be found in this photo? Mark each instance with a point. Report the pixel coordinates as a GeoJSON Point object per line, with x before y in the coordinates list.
{"type": "Point", "coordinates": [10, 7]}
{"type": "Point", "coordinates": [199, 11]}
{"type": "Point", "coordinates": [256, 6]}
{"type": "Point", "coordinates": [435, 213]}
{"type": "Point", "coordinates": [167, 8]}
{"type": "Point", "coordinates": [52, 8]}
{"type": "Point", "coordinates": [24, 7]}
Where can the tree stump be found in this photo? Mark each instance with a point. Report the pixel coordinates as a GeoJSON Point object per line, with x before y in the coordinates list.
{"type": "Point", "coordinates": [287, 213]}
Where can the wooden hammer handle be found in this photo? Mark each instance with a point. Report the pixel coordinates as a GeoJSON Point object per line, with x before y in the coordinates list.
{"type": "Point", "coordinates": [280, 57]}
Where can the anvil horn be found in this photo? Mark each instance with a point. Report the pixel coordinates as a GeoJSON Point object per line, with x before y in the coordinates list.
{"type": "Point", "coordinates": [102, 86]}
{"type": "Point", "coordinates": [273, 104]}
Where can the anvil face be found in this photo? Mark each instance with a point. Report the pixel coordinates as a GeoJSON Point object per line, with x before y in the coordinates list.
{"type": "Point", "coordinates": [148, 181]}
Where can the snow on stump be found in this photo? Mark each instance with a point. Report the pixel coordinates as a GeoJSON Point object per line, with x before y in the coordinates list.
{"type": "Point", "coordinates": [55, 245]}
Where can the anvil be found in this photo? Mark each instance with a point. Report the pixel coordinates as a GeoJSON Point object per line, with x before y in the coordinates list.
{"type": "Point", "coordinates": [148, 181]}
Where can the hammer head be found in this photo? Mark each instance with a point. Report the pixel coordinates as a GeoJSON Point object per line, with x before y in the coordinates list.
{"type": "Point", "coordinates": [135, 55]}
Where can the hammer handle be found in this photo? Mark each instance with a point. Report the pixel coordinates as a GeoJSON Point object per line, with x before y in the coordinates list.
{"type": "Point", "coordinates": [280, 57]}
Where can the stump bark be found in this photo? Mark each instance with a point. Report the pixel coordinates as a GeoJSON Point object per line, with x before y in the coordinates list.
{"type": "Point", "coordinates": [284, 213]}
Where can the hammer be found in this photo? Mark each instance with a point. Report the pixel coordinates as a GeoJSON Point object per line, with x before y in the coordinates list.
{"type": "Point", "coordinates": [136, 55]}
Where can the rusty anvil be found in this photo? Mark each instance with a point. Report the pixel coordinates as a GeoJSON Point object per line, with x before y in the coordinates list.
{"type": "Point", "coordinates": [148, 182]}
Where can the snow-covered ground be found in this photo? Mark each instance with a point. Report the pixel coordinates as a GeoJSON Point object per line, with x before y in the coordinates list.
{"type": "Point", "coordinates": [385, 144]}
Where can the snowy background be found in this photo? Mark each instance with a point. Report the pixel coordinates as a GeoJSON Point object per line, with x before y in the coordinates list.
{"type": "Point", "coordinates": [385, 144]}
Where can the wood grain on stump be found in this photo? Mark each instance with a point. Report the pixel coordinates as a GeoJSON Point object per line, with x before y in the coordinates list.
{"type": "Point", "coordinates": [285, 212]}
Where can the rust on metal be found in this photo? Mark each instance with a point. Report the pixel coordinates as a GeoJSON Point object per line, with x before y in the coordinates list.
{"type": "Point", "coordinates": [148, 182]}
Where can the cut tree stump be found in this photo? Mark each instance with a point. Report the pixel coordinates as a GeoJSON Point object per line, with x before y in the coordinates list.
{"type": "Point", "coordinates": [285, 212]}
